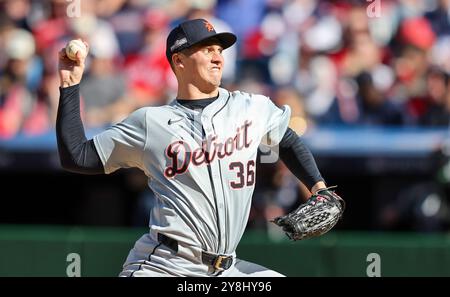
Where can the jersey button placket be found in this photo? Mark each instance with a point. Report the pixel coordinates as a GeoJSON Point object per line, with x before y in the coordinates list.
{"type": "Point", "coordinates": [215, 173]}
{"type": "Point", "coordinates": [206, 125]}
{"type": "Point", "coordinates": [213, 167]}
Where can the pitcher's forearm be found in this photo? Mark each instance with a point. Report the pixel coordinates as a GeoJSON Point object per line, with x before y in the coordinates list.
{"type": "Point", "coordinates": [76, 153]}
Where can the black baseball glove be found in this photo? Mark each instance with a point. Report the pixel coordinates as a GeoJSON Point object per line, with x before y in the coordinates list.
{"type": "Point", "coordinates": [313, 218]}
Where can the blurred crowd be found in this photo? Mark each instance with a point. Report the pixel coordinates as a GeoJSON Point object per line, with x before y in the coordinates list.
{"type": "Point", "coordinates": [380, 62]}
{"type": "Point", "coordinates": [334, 62]}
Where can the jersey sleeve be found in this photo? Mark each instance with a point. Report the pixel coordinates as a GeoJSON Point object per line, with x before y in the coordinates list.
{"type": "Point", "coordinates": [122, 145]}
{"type": "Point", "coordinates": [276, 122]}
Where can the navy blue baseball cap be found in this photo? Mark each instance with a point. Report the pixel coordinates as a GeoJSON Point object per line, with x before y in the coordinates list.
{"type": "Point", "coordinates": [192, 32]}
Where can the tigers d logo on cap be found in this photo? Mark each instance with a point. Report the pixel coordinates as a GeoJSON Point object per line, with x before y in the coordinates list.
{"type": "Point", "coordinates": [192, 32]}
{"type": "Point", "coordinates": [208, 26]}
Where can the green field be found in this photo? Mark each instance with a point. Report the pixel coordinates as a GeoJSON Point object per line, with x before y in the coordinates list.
{"type": "Point", "coordinates": [43, 251]}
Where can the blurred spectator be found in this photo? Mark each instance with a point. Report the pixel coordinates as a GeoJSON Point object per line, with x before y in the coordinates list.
{"type": "Point", "coordinates": [440, 53]}
{"type": "Point", "coordinates": [439, 18]}
{"type": "Point", "coordinates": [300, 119]}
{"type": "Point", "coordinates": [412, 8]}
{"type": "Point", "coordinates": [107, 8]}
{"type": "Point", "coordinates": [48, 96]}
{"type": "Point", "coordinates": [316, 80]}
{"type": "Point", "coordinates": [243, 16]}
{"type": "Point", "coordinates": [417, 32]}
{"type": "Point", "coordinates": [52, 28]}
{"type": "Point", "coordinates": [150, 78]}
{"type": "Point", "coordinates": [103, 106]}
{"type": "Point", "coordinates": [316, 46]}
{"type": "Point", "coordinates": [127, 25]}
{"type": "Point", "coordinates": [19, 109]}
{"type": "Point", "coordinates": [411, 67]}
{"type": "Point", "coordinates": [438, 108]}
{"type": "Point", "coordinates": [383, 29]}
{"type": "Point", "coordinates": [373, 107]}
{"type": "Point", "coordinates": [363, 55]}
{"type": "Point", "coordinates": [18, 11]}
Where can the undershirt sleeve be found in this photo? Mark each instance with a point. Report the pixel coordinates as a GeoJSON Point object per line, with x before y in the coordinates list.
{"type": "Point", "coordinates": [76, 153]}
{"type": "Point", "coordinates": [299, 159]}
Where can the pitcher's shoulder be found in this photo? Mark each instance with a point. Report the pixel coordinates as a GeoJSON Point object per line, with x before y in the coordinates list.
{"type": "Point", "coordinates": [238, 95]}
{"type": "Point", "coordinates": [155, 113]}
{"type": "Point", "coordinates": [162, 109]}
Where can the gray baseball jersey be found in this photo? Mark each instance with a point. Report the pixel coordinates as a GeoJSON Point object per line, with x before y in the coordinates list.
{"type": "Point", "coordinates": [200, 165]}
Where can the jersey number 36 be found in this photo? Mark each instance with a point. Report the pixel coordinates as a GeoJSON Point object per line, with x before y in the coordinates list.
{"type": "Point", "coordinates": [245, 174]}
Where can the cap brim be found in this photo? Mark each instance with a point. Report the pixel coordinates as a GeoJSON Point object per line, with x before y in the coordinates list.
{"type": "Point", "coordinates": [226, 39]}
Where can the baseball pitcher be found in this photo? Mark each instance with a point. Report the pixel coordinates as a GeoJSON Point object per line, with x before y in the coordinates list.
{"type": "Point", "coordinates": [199, 154]}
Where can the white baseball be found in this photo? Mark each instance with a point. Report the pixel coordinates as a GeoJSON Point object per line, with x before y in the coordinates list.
{"type": "Point", "coordinates": [73, 47]}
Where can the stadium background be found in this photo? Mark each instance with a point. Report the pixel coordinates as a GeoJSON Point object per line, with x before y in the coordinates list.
{"type": "Point", "coordinates": [368, 85]}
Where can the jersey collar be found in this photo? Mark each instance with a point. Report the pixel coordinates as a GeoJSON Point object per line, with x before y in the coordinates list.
{"type": "Point", "coordinates": [218, 104]}
{"type": "Point", "coordinates": [211, 109]}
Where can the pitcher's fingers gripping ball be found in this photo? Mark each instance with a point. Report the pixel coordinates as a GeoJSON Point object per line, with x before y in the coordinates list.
{"type": "Point", "coordinates": [75, 46]}
{"type": "Point", "coordinates": [315, 217]}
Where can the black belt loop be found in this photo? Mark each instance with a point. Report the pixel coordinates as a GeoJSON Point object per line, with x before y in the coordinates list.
{"type": "Point", "coordinates": [169, 242]}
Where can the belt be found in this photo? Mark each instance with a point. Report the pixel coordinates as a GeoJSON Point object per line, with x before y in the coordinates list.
{"type": "Point", "coordinates": [218, 262]}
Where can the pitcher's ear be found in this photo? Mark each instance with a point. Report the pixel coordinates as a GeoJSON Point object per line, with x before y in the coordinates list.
{"type": "Point", "coordinates": [177, 61]}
